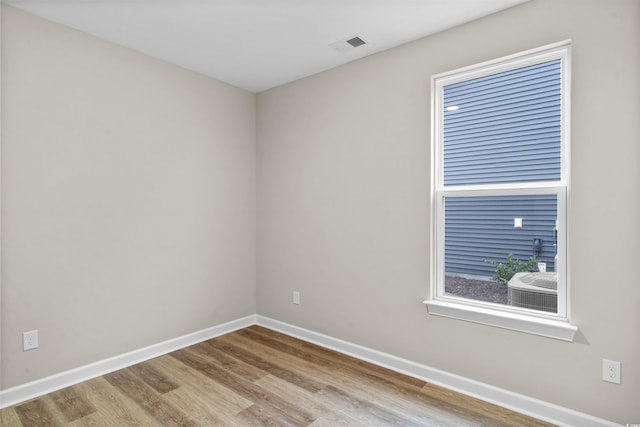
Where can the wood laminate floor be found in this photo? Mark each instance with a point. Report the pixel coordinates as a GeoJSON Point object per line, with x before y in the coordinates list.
{"type": "Point", "coordinates": [252, 377]}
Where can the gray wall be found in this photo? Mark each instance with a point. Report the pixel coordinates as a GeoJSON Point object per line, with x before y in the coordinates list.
{"type": "Point", "coordinates": [128, 199]}
{"type": "Point", "coordinates": [129, 216]}
{"type": "Point", "coordinates": [343, 208]}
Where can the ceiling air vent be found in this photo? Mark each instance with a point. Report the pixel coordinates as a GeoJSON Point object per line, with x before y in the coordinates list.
{"type": "Point", "coordinates": [356, 41]}
{"type": "Point", "coordinates": [347, 44]}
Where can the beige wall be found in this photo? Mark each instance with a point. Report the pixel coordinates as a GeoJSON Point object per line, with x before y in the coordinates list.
{"type": "Point", "coordinates": [129, 216]}
{"type": "Point", "coordinates": [128, 199]}
{"type": "Point", "coordinates": [343, 209]}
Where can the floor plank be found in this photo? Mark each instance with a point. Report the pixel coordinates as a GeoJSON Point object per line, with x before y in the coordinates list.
{"type": "Point", "coordinates": [218, 398]}
{"type": "Point", "coordinates": [314, 402]}
{"type": "Point", "coordinates": [272, 367]}
{"type": "Point", "coordinates": [378, 384]}
{"type": "Point", "coordinates": [38, 413]}
{"type": "Point", "coordinates": [367, 412]}
{"type": "Point", "coordinates": [154, 378]}
{"type": "Point", "coordinates": [114, 405]}
{"type": "Point", "coordinates": [258, 377]}
{"type": "Point", "coordinates": [373, 383]}
{"type": "Point", "coordinates": [198, 408]}
{"type": "Point", "coordinates": [72, 404]}
{"type": "Point", "coordinates": [9, 417]}
{"type": "Point", "coordinates": [136, 390]}
{"type": "Point", "coordinates": [249, 390]}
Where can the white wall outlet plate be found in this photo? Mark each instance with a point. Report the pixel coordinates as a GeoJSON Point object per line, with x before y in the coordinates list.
{"type": "Point", "coordinates": [611, 371]}
{"type": "Point", "coordinates": [30, 340]}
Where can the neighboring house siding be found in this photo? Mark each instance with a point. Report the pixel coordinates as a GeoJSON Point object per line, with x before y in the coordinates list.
{"type": "Point", "coordinates": [501, 128]}
{"type": "Point", "coordinates": [479, 228]}
{"type": "Point", "coordinates": [507, 127]}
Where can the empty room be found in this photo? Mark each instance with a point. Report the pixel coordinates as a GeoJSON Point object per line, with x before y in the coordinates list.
{"type": "Point", "coordinates": [301, 212]}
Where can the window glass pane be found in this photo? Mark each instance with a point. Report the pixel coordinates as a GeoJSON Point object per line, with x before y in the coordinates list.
{"type": "Point", "coordinates": [504, 128]}
{"type": "Point", "coordinates": [482, 232]}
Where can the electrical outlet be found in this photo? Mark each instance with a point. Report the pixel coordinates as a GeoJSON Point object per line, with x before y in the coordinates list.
{"type": "Point", "coordinates": [611, 371]}
{"type": "Point", "coordinates": [296, 297]}
{"type": "Point", "coordinates": [30, 340]}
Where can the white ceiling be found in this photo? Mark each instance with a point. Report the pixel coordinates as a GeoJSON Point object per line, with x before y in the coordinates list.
{"type": "Point", "coordinates": [259, 44]}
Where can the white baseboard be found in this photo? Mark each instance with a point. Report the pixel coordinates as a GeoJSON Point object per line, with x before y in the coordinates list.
{"type": "Point", "coordinates": [514, 401]}
{"type": "Point", "coordinates": [523, 404]}
{"type": "Point", "coordinates": [21, 393]}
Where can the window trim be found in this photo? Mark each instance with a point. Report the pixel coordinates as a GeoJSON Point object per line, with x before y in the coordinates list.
{"type": "Point", "coordinates": [554, 325]}
{"type": "Point", "coordinates": [521, 322]}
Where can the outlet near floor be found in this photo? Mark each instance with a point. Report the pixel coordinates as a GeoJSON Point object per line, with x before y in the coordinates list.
{"type": "Point", "coordinates": [30, 340]}
{"type": "Point", "coordinates": [611, 371]}
{"type": "Point", "coordinates": [296, 297]}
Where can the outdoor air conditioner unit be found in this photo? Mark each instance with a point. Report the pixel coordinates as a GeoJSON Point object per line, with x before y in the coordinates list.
{"type": "Point", "coordinates": [537, 291]}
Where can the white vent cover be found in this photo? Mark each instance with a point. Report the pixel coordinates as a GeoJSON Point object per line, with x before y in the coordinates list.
{"type": "Point", "coordinates": [536, 291]}
{"type": "Point", "coordinates": [348, 44]}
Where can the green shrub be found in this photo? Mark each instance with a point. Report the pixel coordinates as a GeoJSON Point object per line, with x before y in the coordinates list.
{"type": "Point", "coordinates": [504, 272]}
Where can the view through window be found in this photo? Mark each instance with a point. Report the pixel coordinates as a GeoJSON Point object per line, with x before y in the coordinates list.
{"type": "Point", "coordinates": [501, 179]}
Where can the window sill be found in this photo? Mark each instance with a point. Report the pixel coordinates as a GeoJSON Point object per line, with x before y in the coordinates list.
{"type": "Point", "coordinates": [551, 328]}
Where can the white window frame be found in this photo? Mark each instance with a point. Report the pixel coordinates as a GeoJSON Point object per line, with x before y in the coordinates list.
{"type": "Point", "coordinates": [554, 325]}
